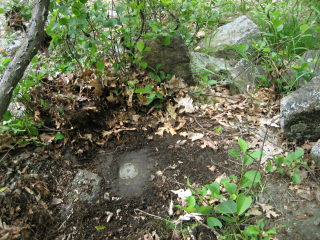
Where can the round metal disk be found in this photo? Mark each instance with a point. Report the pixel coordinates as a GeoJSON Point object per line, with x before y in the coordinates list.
{"type": "Point", "coordinates": [128, 171]}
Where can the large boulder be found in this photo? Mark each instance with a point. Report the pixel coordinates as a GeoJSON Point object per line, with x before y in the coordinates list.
{"type": "Point", "coordinates": [172, 57]}
{"type": "Point", "coordinates": [240, 31]}
{"type": "Point", "coordinates": [300, 113]}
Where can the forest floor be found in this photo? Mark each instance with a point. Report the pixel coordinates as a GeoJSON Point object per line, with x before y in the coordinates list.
{"type": "Point", "coordinates": [40, 198]}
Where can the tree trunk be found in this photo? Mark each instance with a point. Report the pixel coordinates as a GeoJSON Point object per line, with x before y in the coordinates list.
{"type": "Point", "coordinates": [29, 48]}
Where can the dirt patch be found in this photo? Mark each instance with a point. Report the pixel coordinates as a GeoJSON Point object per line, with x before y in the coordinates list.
{"type": "Point", "coordinates": [299, 207]}
{"type": "Point", "coordinates": [163, 165]}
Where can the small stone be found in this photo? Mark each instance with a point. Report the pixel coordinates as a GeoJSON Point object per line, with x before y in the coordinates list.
{"type": "Point", "coordinates": [86, 185]}
{"type": "Point", "coordinates": [315, 153]}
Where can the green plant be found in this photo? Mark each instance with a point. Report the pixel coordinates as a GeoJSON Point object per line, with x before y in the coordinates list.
{"type": "Point", "coordinates": [288, 29]}
{"type": "Point", "coordinates": [26, 125]}
{"type": "Point", "coordinates": [289, 163]}
{"type": "Point", "coordinates": [150, 93]}
{"type": "Point", "coordinates": [228, 212]}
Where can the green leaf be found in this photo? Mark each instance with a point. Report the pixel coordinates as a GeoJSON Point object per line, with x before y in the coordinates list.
{"type": "Point", "coordinates": [252, 231]}
{"type": "Point", "coordinates": [234, 153]}
{"type": "Point", "coordinates": [191, 201]}
{"type": "Point", "coordinates": [205, 210]}
{"type": "Point", "coordinates": [304, 27]}
{"type": "Point", "coordinates": [272, 231]}
{"type": "Point", "coordinates": [299, 153]}
{"type": "Point", "coordinates": [212, 82]}
{"type": "Point", "coordinates": [214, 187]}
{"type": "Point", "coordinates": [203, 191]}
{"type": "Point", "coordinates": [140, 90]}
{"type": "Point", "coordinates": [6, 61]}
{"type": "Point", "coordinates": [140, 46]}
{"type": "Point", "coordinates": [227, 207]}
{"type": "Point", "coordinates": [165, 2]}
{"type": "Point", "coordinates": [110, 23]}
{"type": "Point", "coordinates": [256, 154]}
{"type": "Point", "coordinates": [224, 181]}
{"type": "Point", "coordinates": [243, 145]}
{"type": "Point", "coordinates": [243, 203]}
{"type": "Point", "coordinates": [227, 219]}
{"type": "Point", "coordinates": [189, 209]}
{"type": "Point", "coordinates": [63, 21]}
{"type": "Point", "coordinates": [290, 157]}
{"type": "Point", "coordinates": [233, 197]}
{"type": "Point", "coordinates": [100, 66]}
{"type": "Point", "coordinates": [120, 9]}
{"type": "Point", "coordinates": [100, 227]}
{"type": "Point", "coordinates": [166, 41]}
{"type": "Point", "coordinates": [247, 160]}
{"type": "Point", "coordinates": [214, 222]}
{"type": "Point", "coordinates": [3, 189]}
{"type": "Point", "coordinates": [155, 77]}
{"type": "Point", "coordinates": [231, 188]}
{"type": "Point", "coordinates": [249, 177]}
{"type": "Point", "coordinates": [58, 136]}
{"type": "Point", "coordinates": [143, 64]}
{"type": "Point", "coordinates": [296, 177]}
{"type": "Point", "coordinates": [150, 98]}
{"type": "Point", "coordinates": [23, 142]}
{"type": "Point", "coordinates": [33, 131]}
{"type": "Point", "coordinates": [7, 116]}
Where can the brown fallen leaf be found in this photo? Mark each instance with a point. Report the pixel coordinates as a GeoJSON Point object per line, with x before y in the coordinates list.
{"type": "Point", "coordinates": [267, 209]}
{"type": "Point", "coordinates": [302, 217]}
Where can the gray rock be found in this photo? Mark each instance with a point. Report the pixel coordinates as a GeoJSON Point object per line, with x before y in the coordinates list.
{"type": "Point", "coordinates": [17, 109]}
{"type": "Point", "coordinates": [86, 186]}
{"type": "Point", "coordinates": [173, 58]}
{"type": "Point", "coordinates": [300, 113]}
{"type": "Point", "coordinates": [244, 76]}
{"type": "Point", "coordinates": [202, 63]}
{"type": "Point", "coordinates": [240, 31]}
{"type": "Point", "coordinates": [315, 153]}
{"type": "Point", "coordinates": [313, 58]}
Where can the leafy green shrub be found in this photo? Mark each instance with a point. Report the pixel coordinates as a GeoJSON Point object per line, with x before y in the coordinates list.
{"type": "Point", "coordinates": [229, 213]}
{"type": "Point", "coordinates": [224, 204]}
{"type": "Point", "coordinates": [25, 125]}
{"type": "Point", "coordinates": [289, 163]}
{"type": "Point", "coordinates": [288, 33]}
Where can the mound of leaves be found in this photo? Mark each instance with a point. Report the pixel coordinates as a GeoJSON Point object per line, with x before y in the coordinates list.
{"type": "Point", "coordinates": [94, 107]}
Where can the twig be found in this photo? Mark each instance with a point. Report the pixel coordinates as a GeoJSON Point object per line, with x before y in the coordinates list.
{"type": "Point", "coordinates": [152, 215]}
{"type": "Point", "coordinates": [5, 155]}
{"type": "Point", "coordinates": [55, 130]}
{"type": "Point", "coordinates": [261, 153]}
{"type": "Point", "coordinates": [208, 131]}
